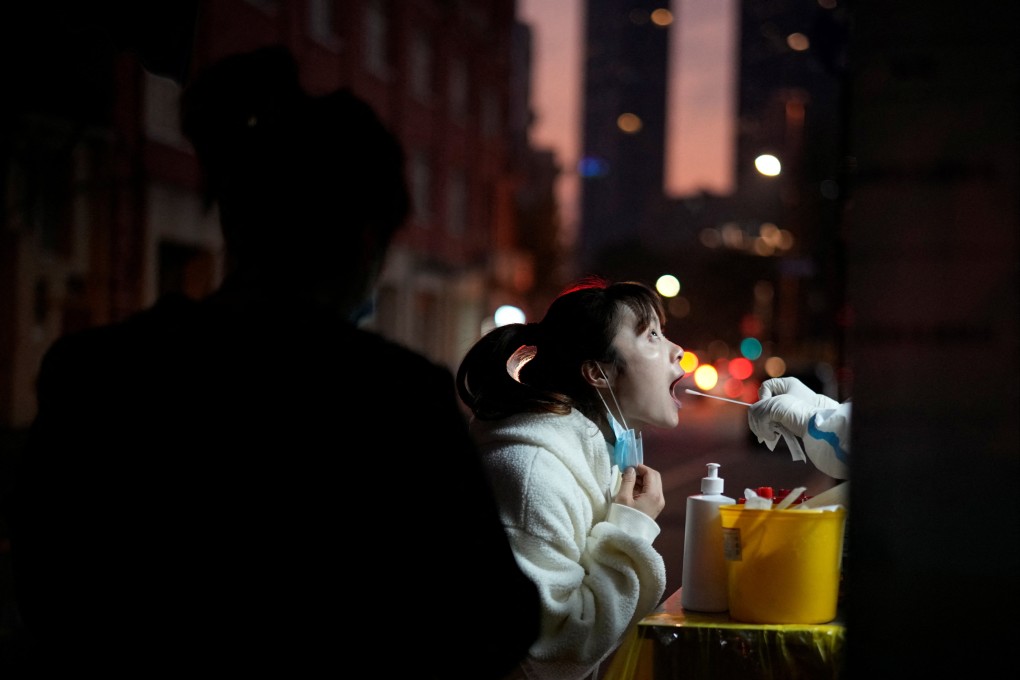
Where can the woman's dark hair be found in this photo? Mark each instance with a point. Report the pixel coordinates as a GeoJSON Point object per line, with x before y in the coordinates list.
{"type": "Point", "coordinates": [300, 179]}
{"type": "Point", "coordinates": [548, 356]}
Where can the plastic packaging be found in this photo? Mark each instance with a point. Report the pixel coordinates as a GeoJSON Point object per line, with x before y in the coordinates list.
{"type": "Point", "coordinates": [758, 500]}
{"type": "Point", "coordinates": [704, 585]}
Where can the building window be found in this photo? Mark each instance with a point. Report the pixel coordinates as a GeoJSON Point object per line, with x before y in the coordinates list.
{"type": "Point", "coordinates": [456, 203]}
{"type": "Point", "coordinates": [320, 21]}
{"type": "Point", "coordinates": [376, 37]}
{"type": "Point", "coordinates": [491, 119]}
{"type": "Point", "coordinates": [422, 58]}
{"type": "Point", "coordinates": [421, 187]}
{"type": "Point", "coordinates": [162, 116]}
{"type": "Point", "coordinates": [458, 89]}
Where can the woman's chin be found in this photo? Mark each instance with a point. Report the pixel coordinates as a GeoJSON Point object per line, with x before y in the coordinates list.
{"type": "Point", "coordinates": [667, 421]}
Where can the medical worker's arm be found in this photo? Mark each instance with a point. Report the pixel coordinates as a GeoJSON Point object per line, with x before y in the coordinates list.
{"type": "Point", "coordinates": [813, 425]}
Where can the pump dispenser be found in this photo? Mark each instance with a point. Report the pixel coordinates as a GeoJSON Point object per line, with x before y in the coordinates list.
{"type": "Point", "coordinates": [705, 581]}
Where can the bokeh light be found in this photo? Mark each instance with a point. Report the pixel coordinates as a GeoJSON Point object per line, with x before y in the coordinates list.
{"type": "Point", "coordinates": [678, 307]}
{"type": "Point", "coordinates": [718, 348]}
{"type": "Point", "coordinates": [750, 348]}
{"type": "Point", "coordinates": [775, 367]}
{"type": "Point", "coordinates": [590, 166]}
{"type": "Point", "coordinates": [667, 285]}
{"type": "Point", "coordinates": [750, 394]}
{"type": "Point", "coordinates": [689, 362]}
{"type": "Point", "coordinates": [507, 314]}
{"type": "Point", "coordinates": [751, 325]}
{"type": "Point", "coordinates": [706, 377]}
{"type": "Point", "coordinates": [710, 237]}
{"type": "Point", "coordinates": [733, 388]}
{"type": "Point", "coordinates": [798, 42]}
{"type": "Point", "coordinates": [768, 165]}
{"type": "Point", "coordinates": [662, 17]}
{"type": "Point", "coordinates": [629, 123]}
{"type": "Point", "coordinates": [740, 368]}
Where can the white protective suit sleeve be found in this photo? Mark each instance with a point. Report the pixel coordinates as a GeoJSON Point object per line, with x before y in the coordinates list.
{"type": "Point", "coordinates": [814, 426]}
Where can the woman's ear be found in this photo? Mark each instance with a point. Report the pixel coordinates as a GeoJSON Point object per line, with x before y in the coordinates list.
{"type": "Point", "coordinates": [593, 374]}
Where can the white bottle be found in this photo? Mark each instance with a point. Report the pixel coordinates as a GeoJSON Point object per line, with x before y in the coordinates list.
{"type": "Point", "coordinates": [705, 581]}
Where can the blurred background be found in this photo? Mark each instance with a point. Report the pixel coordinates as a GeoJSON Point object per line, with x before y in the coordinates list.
{"type": "Point", "coordinates": [857, 226]}
{"type": "Point", "coordinates": [104, 212]}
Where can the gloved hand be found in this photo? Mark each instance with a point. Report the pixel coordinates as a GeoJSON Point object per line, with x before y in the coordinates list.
{"type": "Point", "coordinates": [795, 388]}
{"type": "Point", "coordinates": [770, 417]}
{"type": "Point", "coordinates": [786, 408]}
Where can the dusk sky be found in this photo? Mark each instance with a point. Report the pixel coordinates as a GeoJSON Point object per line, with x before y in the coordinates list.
{"type": "Point", "coordinates": [701, 92]}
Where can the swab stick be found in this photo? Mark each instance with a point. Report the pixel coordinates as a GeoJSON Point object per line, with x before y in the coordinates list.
{"type": "Point", "coordinates": [712, 396]}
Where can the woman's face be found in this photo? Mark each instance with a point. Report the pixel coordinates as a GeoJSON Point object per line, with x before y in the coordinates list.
{"type": "Point", "coordinates": [650, 367]}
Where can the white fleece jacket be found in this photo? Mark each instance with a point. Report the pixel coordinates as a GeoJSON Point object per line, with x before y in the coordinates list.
{"type": "Point", "coordinates": [592, 560]}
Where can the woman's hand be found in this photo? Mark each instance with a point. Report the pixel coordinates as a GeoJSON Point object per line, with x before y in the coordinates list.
{"type": "Point", "coordinates": [641, 489]}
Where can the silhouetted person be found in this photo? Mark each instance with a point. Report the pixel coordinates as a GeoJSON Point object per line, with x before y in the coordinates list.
{"type": "Point", "coordinates": [249, 482]}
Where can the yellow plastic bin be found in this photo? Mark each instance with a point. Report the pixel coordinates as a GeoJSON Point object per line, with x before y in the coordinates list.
{"type": "Point", "coordinates": [783, 566]}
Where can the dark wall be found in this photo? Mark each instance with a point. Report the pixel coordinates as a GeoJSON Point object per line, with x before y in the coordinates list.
{"type": "Point", "coordinates": [932, 233]}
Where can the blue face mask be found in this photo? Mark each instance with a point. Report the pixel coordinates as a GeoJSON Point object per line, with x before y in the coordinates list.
{"type": "Point", "coordinates": [628, 450]}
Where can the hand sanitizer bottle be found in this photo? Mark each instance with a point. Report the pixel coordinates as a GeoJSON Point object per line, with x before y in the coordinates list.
{"type": "Point", "coordinates": [705, 581]}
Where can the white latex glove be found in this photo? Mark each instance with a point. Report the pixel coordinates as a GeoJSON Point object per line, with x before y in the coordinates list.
{"type": "Point", "coordinates": [783, 414]}
{"type": "Point", "coordinates": [794, 387]}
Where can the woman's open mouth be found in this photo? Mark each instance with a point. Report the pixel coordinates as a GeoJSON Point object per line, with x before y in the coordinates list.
{"type": "Point", "coordinates": [672, 390]}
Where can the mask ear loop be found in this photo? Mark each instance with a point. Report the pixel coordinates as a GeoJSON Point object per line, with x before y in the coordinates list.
{"type": "Point", "coordinates": [613, 395]}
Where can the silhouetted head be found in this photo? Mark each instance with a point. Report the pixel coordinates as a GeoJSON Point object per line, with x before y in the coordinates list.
{"type": "Point", "coordinates": [311, 189]}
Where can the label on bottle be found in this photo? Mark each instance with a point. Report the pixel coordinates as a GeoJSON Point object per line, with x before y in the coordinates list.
{"type": "Point", "coordinates": [732, 550]}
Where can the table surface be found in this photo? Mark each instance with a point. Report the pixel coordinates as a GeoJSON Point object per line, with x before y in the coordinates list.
{"type": "Point", "coordinates": [671, 644]}
{"type": "Point", "coordinates": [672, 613]}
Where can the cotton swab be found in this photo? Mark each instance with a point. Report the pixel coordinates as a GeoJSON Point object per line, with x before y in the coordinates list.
{"type": "Point", "coordinates": [712, 396]}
